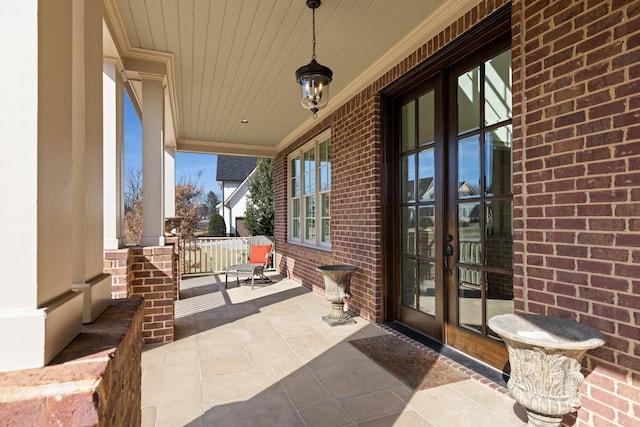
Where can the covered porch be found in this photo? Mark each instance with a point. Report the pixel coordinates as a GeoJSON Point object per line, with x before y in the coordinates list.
{"type": "Point", "coordinates": [245, 357]}
{"type": "Point", "coordinates": [218, 77]}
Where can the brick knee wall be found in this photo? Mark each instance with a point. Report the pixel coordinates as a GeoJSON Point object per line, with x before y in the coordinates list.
{"type": "Point", "coordinates": [151, 275]}
{"type": "Point", "coordinates": [154, 274]}
{"type": "Point", "coordinates": [95, 380]}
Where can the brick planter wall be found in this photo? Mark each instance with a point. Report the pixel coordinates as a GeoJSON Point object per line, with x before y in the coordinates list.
{"type": "Point", "coordinates": [95, 380]}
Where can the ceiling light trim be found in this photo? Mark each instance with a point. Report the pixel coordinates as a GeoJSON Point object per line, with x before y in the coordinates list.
{"type": "Point", "coordinates": [226, 148]}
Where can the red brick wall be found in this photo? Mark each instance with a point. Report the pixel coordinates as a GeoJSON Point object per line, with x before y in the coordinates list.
{"type": "Point", "coordinates": [152, 278]}
{"type": "Point", "coordinates": [176, 242]}
{"type": "Point", "coordinates": [577, 172]}
{"type": "Point", "coordinates": [356, 194]}
{"type": "Point", "coordinates": [152, 273]}
{"type": "Point", "coordinates": [576, 100]}
{"type": "Point", "coordinates": [295, 261]}
{"type": "Point", "coordinates": [95, 380]}
{"type": "Point", "coordinates": [116, 263]}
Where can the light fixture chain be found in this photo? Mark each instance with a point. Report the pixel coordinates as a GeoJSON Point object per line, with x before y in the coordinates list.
{"type": "Point", "coordinates": [313, 56]}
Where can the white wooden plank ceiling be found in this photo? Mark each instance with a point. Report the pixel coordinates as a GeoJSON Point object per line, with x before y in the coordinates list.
{"type": "Point", "coordinates": [235, 59]}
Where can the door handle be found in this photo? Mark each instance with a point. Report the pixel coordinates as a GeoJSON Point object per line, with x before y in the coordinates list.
{"type": "Point", "coordinates": [448, 251]}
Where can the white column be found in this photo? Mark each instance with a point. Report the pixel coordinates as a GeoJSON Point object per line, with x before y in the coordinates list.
{"type": "Point", "coordinates": [39, 312]}
{"type": "Point", "coordinates": [87, 224]}
{"type": "Point", "coordinates": [113, 152]}
{"type": "Point", "coordinates": [152, 161]}
{"type": "Point", "coordinates": [170, 182]}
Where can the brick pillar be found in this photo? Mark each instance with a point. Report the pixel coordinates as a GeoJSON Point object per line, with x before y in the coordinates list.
{"type": "Point", "coordinates": [151, 276]}
{"type": "Point", "coordinates": [176, 242]}
{"type": "Point", "coordinates": [116, 264]}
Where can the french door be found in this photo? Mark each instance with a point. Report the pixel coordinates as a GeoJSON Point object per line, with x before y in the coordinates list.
{"type": "Point", "coordinates": [453, 203]}
{"type": "Point", "coordinates": [421, 206]}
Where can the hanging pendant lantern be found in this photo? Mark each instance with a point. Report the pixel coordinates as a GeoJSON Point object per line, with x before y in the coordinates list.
{"type": "Point", "coordinates": [314, 78]}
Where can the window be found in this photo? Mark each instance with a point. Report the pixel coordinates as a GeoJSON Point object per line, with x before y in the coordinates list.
{"type": "Point", "coordinates": [310, 193]}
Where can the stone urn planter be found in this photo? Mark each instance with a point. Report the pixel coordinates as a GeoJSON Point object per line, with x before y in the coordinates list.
{"type": "Point", "coordinates": [545, 353]}
{"type": "Point", "coordinates": [337, 279]}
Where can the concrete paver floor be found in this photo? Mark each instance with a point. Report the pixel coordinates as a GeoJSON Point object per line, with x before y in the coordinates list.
{"type": "Point", "coordinates": [264, 357]}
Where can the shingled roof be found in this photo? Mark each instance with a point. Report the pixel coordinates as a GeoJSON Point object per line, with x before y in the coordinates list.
{"type": "Point", "coordinates": [232, 168]}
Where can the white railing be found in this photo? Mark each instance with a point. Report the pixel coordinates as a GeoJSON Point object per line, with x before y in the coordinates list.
{"type": "Point", "coordinates": [470, 254]}
{"type": "Point", "coordinates": [213, 255]}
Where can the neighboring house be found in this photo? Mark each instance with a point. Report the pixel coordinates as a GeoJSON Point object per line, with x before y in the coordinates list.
{"type": "Point", "coordinates": [232, 174]}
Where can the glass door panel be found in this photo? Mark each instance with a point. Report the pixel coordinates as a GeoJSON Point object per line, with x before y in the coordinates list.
{"type": "Point", "coordinates": [408, 280]}
{"type": "Point", "coordinates": [497, 162]}
{"type": "Point", "coordinates": [408, 231]}
{"type": "Point", "coordinates": [408, 178]}
{"type": "Point", "coordinates": [427, 295]}
{"type": "Point", "coordinates": [481, 187]}
{"type": "Point", "coordinates": [452, 204]}
{"type": "Point", "coordinates": [420, 293]}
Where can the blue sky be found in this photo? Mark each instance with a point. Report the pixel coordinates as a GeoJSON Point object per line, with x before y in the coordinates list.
{"type": "Point", "coordinates": [187, 164]}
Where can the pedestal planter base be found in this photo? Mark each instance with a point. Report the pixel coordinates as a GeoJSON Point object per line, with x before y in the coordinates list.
{"type": "Point", "coordinates": [540, 420]}
{"type": "Point", "coordinates": [545, 354]}
{"type": "Point", "coordinates": [337, 279]}
{"type": "Point", "coordinates": [338, 316]}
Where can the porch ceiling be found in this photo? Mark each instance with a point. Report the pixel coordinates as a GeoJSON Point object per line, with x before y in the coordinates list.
{"type": "Point", "coordinates": [233, 60]}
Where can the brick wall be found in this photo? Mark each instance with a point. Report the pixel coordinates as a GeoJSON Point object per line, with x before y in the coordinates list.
{"type": "Point", "coordinates": [577, 173]}
{"type": "Point", "coordinates": [356, 194]}
{"type": "Point", "coordinates": [116, 263]}
{"type": "Point", "coordinates": [576, 151]}
{"type": "Point", "coordinates": [176, 242]}
{"type": "Point", "coordinates": [152, 278]}
{"type": "Point", "coordinates": [154, 274]}
{"type": "Point", "coordinates": [297, 262]}
{"type": "Point", "coordinates": [95, 380]}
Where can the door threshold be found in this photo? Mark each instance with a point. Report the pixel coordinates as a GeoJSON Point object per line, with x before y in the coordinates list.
{"type": "Point", "coordinates": [480, 368]}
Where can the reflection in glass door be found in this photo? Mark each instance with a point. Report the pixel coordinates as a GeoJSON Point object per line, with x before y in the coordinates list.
{"type": "Point", "coordinates": [454, 202]}
{"type": "Point", "coordinates": [420, 304]}
{"type": "Point", "coordinates": [481, 199]}
{"type": "Point", "coordinates": [449, 194]}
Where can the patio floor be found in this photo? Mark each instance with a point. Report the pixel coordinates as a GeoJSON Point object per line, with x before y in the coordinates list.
{"type": "Point", "coordinates": [264, 357]}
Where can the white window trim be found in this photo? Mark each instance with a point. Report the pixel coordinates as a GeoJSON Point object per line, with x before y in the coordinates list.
{"type": "Point", "coordinates": [299, 152]}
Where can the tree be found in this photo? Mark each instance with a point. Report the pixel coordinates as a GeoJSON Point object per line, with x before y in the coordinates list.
{"type": "Point", "coordinates": [217, 226]}
{"type": "Point", "coordinates": [133, 205]}
{"type": "Point", "coordinates": [133, 223]}
{"type": "Point", "coordinates": [132, 187]}
{"type": "Point", "coordinates": [210, 205]}
{"type": "Point", "coordinates": [188, 202]}
{"type": "Point", "coordinates": [259, 218]}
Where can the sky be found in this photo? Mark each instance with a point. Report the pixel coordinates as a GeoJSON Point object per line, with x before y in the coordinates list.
{"type": "Point", "coordinates": [187, 164]}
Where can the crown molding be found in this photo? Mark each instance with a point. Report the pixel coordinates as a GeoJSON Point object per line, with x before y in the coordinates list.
{"type": "Point", "coordinates": [225, 148]}
{"type": "Point", "coordinates": [116, 26]}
